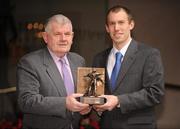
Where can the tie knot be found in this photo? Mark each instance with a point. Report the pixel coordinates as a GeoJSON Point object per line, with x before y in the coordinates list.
{"type": "Point", "coordinates": [62, 60]}
{"type": "Point", "coordinates": [118, 56]}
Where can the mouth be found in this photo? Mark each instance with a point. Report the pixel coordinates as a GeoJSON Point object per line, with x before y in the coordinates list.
{"type": "Point", "coordinates": [62, 45]}
{"type": "Point", "coordinates": [118, 34]}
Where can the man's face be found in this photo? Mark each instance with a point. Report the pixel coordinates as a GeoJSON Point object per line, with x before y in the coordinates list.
{"type": "Point", "coordinates": [119, 27]}
{"type": "Point", "coordinates": [59, 38]}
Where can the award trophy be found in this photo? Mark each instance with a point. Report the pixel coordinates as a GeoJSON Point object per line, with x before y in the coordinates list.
{"type": "Point", "coordinates": [90, 83]}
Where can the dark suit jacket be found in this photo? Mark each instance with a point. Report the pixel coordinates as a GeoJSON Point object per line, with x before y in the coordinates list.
{"type": "Point", "coordinates": [41, 91]}
{"type": "Point", "coordinates": [139, 87]}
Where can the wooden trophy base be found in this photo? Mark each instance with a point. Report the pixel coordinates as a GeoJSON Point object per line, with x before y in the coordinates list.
{"type": "Point", "coordinates": [92, 100]}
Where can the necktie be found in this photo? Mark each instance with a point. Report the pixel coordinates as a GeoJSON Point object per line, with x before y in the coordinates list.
{"type": "Point", "coordinates": [68, 82]}
{"type": "Point", "coordinates": [116, 69]}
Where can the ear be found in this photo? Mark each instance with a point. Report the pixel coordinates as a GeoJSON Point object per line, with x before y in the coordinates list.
{"type": "Point", "coordinates": [45, 36]}
{"type": "Point", "coordinates": [107, 29]}
{"type": "Point", "coordinates": [72, 34]}
{"type": "Point", "coordinates": [132, 24]}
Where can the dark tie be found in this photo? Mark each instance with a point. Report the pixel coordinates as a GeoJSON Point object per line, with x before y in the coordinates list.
{"type": "Point", "coordinates": [116, 69]}
{"type": "Point", "coordinates": [66, 77]}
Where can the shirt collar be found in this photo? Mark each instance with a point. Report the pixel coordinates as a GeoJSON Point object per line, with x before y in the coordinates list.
{"type": "Point", "coordinates": [56, 58]}
{"type": "Point", "coordinates": [123, 50]}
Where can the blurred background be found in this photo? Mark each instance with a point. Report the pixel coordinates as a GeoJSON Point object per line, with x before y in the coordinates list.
{"type": "Point", "coordinates": [157, 23]}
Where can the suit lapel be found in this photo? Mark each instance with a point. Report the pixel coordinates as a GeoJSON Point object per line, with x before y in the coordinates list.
{"type": "Point", "coordinates": [104, 63]}
{"type": "Point", "coordinates": [127, 61]}
{"type": "Point", "coordinates": [53, 73]}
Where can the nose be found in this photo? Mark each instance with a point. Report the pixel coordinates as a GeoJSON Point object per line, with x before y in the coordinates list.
{"type": "Point", "coordinates": [63, 36]}
{"type": "Point", "coordinates": [116, 26]}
